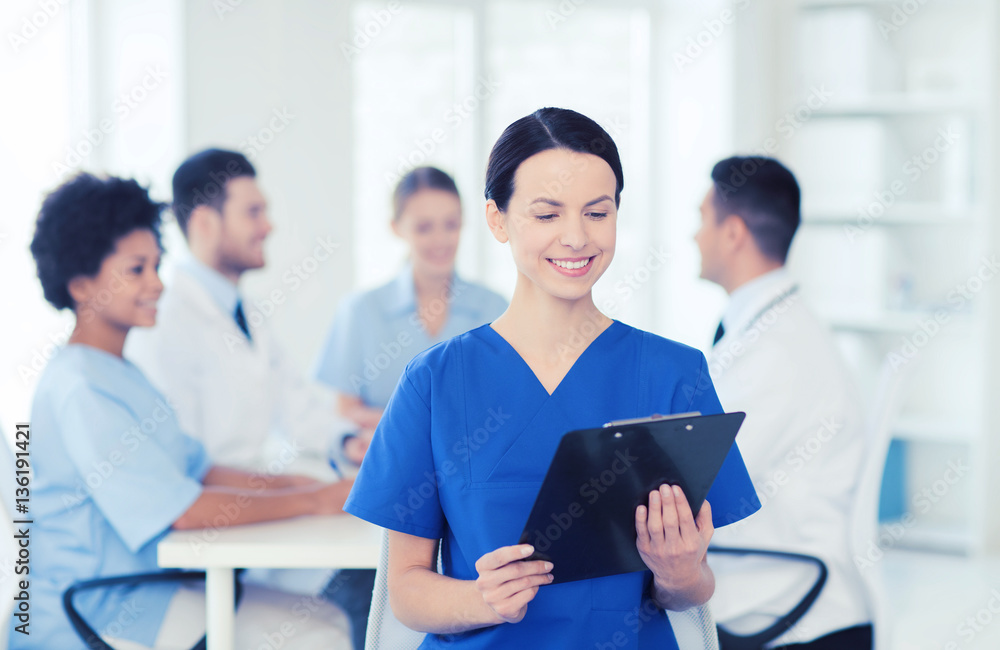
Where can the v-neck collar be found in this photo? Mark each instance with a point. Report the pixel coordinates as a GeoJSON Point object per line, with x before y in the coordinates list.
{"type": "Point", "coordinates": [496, 335]}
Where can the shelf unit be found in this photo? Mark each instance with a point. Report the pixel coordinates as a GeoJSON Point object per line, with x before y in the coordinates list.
{"type": "Point", "coordinates": [896, 176]}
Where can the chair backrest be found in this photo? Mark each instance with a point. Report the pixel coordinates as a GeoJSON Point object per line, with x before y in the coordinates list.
{"type": "Point", "coordinates": [693, 628]}
{"type": "Point", "coordinates": [385, 632]}
{"type": "Point", "coordinates": [864, 517]}
{"type": "Point", "coordinates": [8, 579]}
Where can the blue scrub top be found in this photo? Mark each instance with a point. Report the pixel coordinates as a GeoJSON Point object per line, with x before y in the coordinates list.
{"type": "Point", "coordinates": [112, 472]}
{"type": "Point", "coordinates": [377, 332]}
{"type": "Point", "coordinates": [466, 440]}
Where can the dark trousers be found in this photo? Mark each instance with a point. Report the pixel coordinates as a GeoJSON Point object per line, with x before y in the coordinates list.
{"type": "Point", "coordinates": [351, 590]}
{"type": "Point", "coordinates": [852, 638]}
{"type": "Point", "coordinates": [858, 637]}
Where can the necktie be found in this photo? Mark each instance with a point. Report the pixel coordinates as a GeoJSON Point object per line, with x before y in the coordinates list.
{"type": "Point", "coordinates": [719, 333]}
{"type": "Point", "coordinates": [241, 320]}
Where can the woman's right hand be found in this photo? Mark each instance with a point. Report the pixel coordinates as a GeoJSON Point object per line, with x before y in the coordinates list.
{"type": "Point", "coordinates": [507, 583]}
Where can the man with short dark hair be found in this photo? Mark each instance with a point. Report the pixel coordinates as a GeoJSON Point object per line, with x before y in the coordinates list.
{"type": "Point", "coordinates": [803, 439]}
{"type": "Point", "coordinates": [214, 356]}
{"type": "Point", "coordinates": [211, 351]}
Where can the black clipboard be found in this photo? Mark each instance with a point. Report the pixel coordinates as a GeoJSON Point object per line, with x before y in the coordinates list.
{"type": "Point", "coordinates": [583, 519]}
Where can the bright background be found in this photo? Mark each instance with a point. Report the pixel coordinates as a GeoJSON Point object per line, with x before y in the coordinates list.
{"type": "Point", "coordinates": [852, 94]}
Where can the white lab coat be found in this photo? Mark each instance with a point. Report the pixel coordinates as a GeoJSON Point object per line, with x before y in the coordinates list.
{"type": "Point", "coordinates": [803, 442]}
{"type": "Point", "coordinates": [245, 401]}
{"type": "Point", "coordinates": [231, 394]}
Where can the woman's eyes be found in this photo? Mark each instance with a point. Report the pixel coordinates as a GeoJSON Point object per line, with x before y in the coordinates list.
{"type": "Point", "coordinates": [592, 215]}
{"type": "Point", "coordinates": [139, 269]}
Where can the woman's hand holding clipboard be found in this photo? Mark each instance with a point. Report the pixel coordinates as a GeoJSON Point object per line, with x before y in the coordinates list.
{"type": "Point", "coordinates": [584, 517]}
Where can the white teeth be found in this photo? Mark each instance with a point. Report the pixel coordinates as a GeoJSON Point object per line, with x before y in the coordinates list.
{"type": "Point", "coordinates": [571, 265]}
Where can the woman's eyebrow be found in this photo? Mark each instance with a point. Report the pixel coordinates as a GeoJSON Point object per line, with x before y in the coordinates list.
{"type": "Point", "coordinates": [543, 199]}
{"type": "Point", "coordinates": [559, 204]}
{"type": "Point", "coordinates": [604, 197]}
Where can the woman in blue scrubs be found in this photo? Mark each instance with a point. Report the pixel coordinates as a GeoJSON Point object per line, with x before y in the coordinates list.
{"type": "Point", "coordinates": [466, 439]}
{"type": "Point", "coordinates": [113, 472]}
{"type": "Point", "coordinates": [377, 332]}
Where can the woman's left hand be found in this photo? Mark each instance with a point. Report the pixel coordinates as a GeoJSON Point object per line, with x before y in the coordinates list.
{"type": "Point", "coordinates": [671, 542]}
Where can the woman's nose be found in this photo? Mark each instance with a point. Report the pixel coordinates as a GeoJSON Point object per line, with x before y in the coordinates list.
{"type": "Point", "coordinates": [574, 234]}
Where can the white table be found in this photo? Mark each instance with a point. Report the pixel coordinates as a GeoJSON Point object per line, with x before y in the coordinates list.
{"type": "Point", "coordinates": [331, 541]}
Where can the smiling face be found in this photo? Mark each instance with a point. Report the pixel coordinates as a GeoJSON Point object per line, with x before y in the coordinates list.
{"type": "Point", "coordinates": [560, 222]}
{"type": "Point", "coordinates": [431, 222]}
{"type": "Point", "coordinates": [124, 292]}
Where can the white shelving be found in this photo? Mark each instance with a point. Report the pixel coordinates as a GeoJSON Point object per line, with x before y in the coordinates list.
{"type": "Point", "coordinates": [935, 429]}
{"type": "Point", "coordinates": [897, 209]}
{"type": "Point", "coordinates": [896, 104]}
{"type": "Point", "coordinates": [901, 213]}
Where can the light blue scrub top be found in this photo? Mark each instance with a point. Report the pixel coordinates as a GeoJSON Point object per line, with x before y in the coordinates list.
{"type": "Point", "coordinates": [377, 332]}
{"type": "Point", "coordinates": [465, 442]}
{"type": "Point", "coordinates": [112, 472]}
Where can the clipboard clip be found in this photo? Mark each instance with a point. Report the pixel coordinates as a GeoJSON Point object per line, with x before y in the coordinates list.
{"type": "Point", "coordinates": [655, 417]}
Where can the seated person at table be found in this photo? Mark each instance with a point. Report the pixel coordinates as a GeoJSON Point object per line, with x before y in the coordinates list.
{"type": "Point", "coordinates": [774, 359]}
{"type": "Point", "coordinates": [114, 472]}
{"type": "Point", "coordinates": [377, 332]}
{"type": "Point", "coordinates": [212, 351]}
{"type": "Point", "coordinates": [551, 363]}
{"type": "Point", "coordinates": [215, 357]}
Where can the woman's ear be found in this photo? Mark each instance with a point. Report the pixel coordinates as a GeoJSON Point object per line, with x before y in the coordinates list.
{"type": "Point", "coordinates": [79, 289]}
{"type": "Point", "coordinates": [394, 224]}
{"type": "Point", "coordinates": [497, 221]}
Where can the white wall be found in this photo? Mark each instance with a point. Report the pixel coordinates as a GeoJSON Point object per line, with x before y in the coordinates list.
{"type": "Point", "coordinates": [243, 68]}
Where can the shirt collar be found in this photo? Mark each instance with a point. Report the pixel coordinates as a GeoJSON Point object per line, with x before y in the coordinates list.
{"type": "Point", "coordinates": [747, 301]}
{"type": "Point", "coordinates": [403, 297]}
{"type": "Point", "coordinates": [223, 292]}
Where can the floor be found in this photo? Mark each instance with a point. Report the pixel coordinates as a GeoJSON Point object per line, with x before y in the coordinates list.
{"type": "Point", "coordinates": [942, 602]}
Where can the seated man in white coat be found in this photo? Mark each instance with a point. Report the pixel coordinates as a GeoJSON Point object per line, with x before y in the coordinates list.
{"type": "Point", "coordinates": [213, 355]}
{"type": "Point", "coordinates": [803, 439]}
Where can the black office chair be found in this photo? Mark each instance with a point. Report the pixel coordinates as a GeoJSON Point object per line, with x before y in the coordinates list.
{"type": "Point", "coordinates": [91, 638]}
{"type": "Point", "coordinates": [756, 640]}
